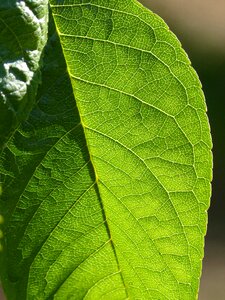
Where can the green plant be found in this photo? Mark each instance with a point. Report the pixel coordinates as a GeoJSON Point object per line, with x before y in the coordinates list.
{"type": "Point", "coordinates": [106, 182]}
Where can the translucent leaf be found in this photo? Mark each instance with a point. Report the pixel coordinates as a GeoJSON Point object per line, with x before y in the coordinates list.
{"type": "Point", "coordinates": [106, 186]}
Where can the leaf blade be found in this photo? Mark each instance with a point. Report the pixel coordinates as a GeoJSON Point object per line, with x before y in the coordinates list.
{"type": "Point", "coordinates": [104, 48]}
{"type": "Point", "coordinates": [120, 240]}
{"type": "Point", "coordinates": [23, 33]}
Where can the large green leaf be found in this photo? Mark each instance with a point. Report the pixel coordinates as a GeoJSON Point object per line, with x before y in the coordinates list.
{"type": "Point", "coordinates": [23, 34]}
{"type": "Point", "coordinates": [108, 200]}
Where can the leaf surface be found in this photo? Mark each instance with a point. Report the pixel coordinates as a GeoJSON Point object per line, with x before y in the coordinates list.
{"type": "Point", "coordinates": [108, 193]}
{"type": "Point", "coordinates": [23, 34]}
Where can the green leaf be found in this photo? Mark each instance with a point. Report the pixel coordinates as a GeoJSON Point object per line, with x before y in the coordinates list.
{"type": "Point", "coordinates": [23, 34]}
{"type": "Point", "coordinates": [105, 197]}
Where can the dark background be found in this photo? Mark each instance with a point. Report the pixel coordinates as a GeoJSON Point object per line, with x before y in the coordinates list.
{"type": "Point", "coordinates": [200, 26]}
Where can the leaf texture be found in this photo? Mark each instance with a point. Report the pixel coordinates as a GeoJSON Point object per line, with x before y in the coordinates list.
{"type": "Point", "coordinates": [105, 197]}
{"type": "Point", "coordinates": [23, 34]}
